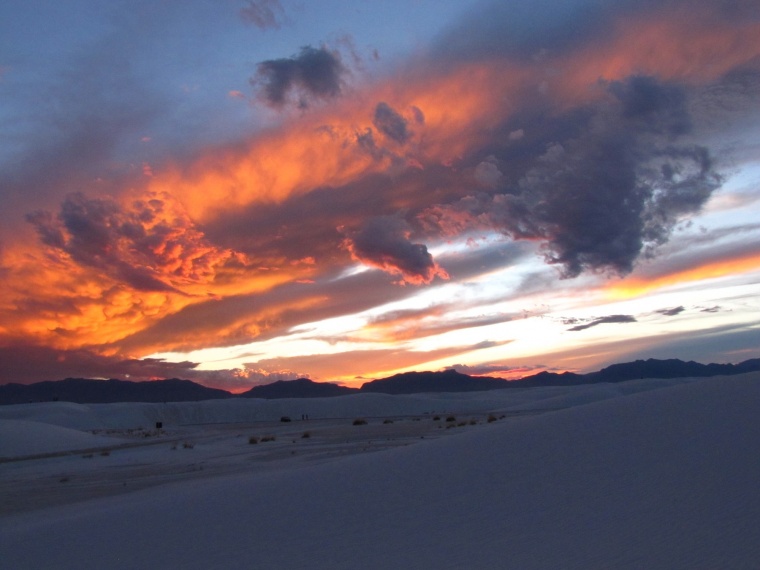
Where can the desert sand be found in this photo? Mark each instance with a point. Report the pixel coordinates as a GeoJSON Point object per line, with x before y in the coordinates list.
{"type": "Point", "coordinates": [642, 474]}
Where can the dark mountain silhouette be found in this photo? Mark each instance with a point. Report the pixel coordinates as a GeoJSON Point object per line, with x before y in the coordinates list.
{"type": "Point", "coordinates": [301, 388]}
{"type": "Point", "coordinates": [106, 391]}
{"type": "Point", "coordinates": [452, 381]}
{"type": "Point", "coordinates": [550, 379]}
{"type": "Point", "coordinates": [85, 391]}
{"type": "Point", "coordinates": [446, 381]}
{"type": "Point", "coordinates": [651, 368]}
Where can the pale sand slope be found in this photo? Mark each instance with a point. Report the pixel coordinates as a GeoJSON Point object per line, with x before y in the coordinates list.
{"type": "Point", "coordinates": [133, 415]}
{"type": "Point", "coordinates": [21, 438]}
{"type": "Point", "coordinates": [665, 478]}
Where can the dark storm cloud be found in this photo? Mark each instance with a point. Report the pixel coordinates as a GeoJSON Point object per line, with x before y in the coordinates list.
{"type": "Point", "coordinates": [384, 242]}
{"type": "Point", "coordinates": [603, 321]}
{"type": "Point", "coordinates": [659, 107]}
{"type": "Point", "coordinates": [609, 186]}
{"type": "Point", "coordinates": [672, 312]}
{"type": "Point", "coordinates": [390, 123]}
{"type": "Point", "coordinates": [263, 14]}
{"type": "Point", "coordinates": [146, 246]}
{"type": "Point", "coordinates": [313, 74]}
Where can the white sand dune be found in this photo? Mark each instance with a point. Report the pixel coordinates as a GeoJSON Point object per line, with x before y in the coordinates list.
{"type": "Point", "coordinates": [134, 415]}
{"type": "Point", "coordinates": [657, 478]}
{"type": "Point", "coordinates": [23, 438]}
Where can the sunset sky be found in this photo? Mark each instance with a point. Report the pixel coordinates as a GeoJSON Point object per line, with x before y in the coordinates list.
{"type": "Point", "coordinates": [236, 192]}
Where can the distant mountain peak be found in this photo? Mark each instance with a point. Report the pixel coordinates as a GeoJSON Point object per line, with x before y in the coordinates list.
{"type": "Point", "coordinates": [448, 380]}
{"type": "Point", "coordinates": [298, 388]}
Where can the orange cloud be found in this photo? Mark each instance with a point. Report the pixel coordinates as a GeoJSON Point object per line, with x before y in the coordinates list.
{"type": "Point", "coordinates": [190, 330]}
{"type": "Point", "coordinates": [457, 106]}
{"type": "Point", "coordinates": [686, 43]}
{"type": "Point", "coordinates": [68, 295]}
{"type": "Point", "coordinates": [109, 269]}
{"type": "Point", "coordinates": [73, 306]}
{"type": "Point", "coordinates": [412, 324]}
{"type": "Point", "coordinates": [636, 286]}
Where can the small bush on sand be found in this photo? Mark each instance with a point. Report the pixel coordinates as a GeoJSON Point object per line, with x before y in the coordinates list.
{"type": "Point", "coordinates": [387, 421]}
{"type": "Point", "coordinates": [267, 438]}
{"type": "Point", "coordinates": [188, 445]}
{"type": "Point", "coordinates": [253, 440]}
{"type": "Point", "coordinates": [491, 418]}
{"type": "Point", "coordinates": [285, 419]}
{"type": "Point", "coordinates": [451, 419]}
{"type": "Point", "coordinates": [306, 435]}
{"type": "Point", "coordinates": [436, 418]}
{"type": "Point", "coordinates": [360, 422]}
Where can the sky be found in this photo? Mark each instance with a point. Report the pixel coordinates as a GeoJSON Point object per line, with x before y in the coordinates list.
{"type": "Point", "coordinates": [238, 192]}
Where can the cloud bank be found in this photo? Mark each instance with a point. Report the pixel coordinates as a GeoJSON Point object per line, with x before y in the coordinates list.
{"type": "Point", "coordinates": [581, 133]}
{"type": "Point", "coordinates": [315, 74]}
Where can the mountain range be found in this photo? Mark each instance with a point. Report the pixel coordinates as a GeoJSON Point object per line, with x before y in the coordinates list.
{"type": "Point", "coordinates": [87, 391]}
